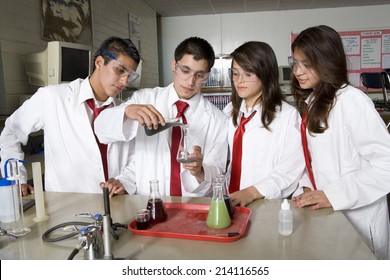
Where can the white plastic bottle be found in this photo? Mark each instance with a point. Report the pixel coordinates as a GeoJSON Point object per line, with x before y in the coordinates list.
{"type": "Point", "coordinates": [285, 219]}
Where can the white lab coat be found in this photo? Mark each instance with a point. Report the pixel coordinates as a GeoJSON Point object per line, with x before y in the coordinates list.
{"type": "Point", "coordinates": [72, 157]}
{"type": "Point", "coordinates": [351, 164]}
{"type": "Point", "coordinates": [272, 161]}
{"type": "Point", "coordinates": [207, 129]}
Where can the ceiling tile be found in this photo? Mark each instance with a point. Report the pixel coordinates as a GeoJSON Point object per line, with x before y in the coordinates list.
{"type": "Point", "coordinates": [168, 8]}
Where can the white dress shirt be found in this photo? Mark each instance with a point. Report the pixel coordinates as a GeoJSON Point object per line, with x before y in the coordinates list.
{"type": "Point", "coordinates": [272, 160]}
{"type": "Point", "coordinates": [72, 156]}
{"type": "Point", "coordinates": [207, 129]}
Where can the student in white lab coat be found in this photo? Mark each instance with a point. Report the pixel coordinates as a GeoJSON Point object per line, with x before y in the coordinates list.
{"type": "Point", "coordinates": [73, 161]}
{"type": "Point", "coordinates": [271, 155]}
{"type": "Point", "coordinates": [194, 57]}
{"type": "Point", "coordinates": [347, 139]}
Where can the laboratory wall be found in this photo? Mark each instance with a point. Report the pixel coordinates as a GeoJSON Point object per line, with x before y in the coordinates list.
{"type": "Point", "coordinates": [228, 31]}
{"type": "Point", "coordinates": [20, 33]}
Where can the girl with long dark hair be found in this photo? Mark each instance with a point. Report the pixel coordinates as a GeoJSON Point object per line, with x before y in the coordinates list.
{"type": "Point", "coordinates": [348, 156]}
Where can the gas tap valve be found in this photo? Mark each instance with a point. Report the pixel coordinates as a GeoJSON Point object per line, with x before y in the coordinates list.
{"type": "Point", "coordinates": [91, 239]}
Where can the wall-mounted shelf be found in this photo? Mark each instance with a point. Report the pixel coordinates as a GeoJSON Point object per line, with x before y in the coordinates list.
{"type": "Point", "coordinates": [210, 90]}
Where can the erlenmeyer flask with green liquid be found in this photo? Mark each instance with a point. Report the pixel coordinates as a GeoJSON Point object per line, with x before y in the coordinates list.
{"type": "Point", "coordinates": [218, 216]}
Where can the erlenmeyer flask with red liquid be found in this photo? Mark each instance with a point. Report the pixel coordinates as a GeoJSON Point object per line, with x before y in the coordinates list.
{"type": "Point", "coordinates": [158, 213]}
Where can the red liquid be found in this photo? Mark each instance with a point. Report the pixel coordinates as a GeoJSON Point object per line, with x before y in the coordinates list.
{"type": "Point", "coordinates": [157, 210]}
{"type": "Point", "coordinates": [142, 225]}
{"type": "Point", "coordinates": [229, 205]}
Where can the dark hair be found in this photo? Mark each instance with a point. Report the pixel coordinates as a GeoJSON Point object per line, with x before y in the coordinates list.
{"type": "Point", "coordinates": [117, 46]}
{"type": "Point", "coordinates": [260, 59]}
{"type": "Point", "coordinates": [198, 47]}
{"type": "Point", "coordinates": [324, 51]}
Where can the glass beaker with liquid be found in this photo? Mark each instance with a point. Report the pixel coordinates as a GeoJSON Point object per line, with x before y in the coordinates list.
{"type": "Point", "coordinates": [185, 146]}
{"type": "Point", "coordinates": [142, 218]}
{"type": "Point", "coordinates": [225, 194]}
{"type": "Point", "coordinates": [218, 216]}
{"type": "Point", "coordinates": [158, 213]}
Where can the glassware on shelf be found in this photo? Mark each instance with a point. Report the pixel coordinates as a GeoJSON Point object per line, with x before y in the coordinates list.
{"type": "Point", "coordinates": [219, 75]}
{"type": "Point", "coordinates": [158, 213]}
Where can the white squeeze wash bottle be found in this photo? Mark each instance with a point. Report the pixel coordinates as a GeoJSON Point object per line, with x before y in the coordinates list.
{"type": "Point", "coordinates": [285, 219]}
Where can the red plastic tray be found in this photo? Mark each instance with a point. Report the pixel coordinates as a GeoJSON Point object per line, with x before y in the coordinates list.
{"type": "Point", "coordinates": [188, 221]}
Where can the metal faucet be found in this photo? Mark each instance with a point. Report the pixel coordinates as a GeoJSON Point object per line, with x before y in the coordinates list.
{"type": "Point", "coordinates": [91, 239]}
{"type": "Point", "coordinates": [95, 238]}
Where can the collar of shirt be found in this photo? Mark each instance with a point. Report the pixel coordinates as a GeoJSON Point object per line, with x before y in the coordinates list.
{"type": "Point", "coordinates": [86, 93]}
{"type": "Point", "coordinates": [310, 98]}
{"type": "Point", "coordinates": [248, 112]}
{"type": "Point", "coordinates": [173, 97]}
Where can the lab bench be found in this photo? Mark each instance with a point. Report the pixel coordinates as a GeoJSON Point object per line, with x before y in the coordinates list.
{"type": "Point", "coordinates": [318, 235]}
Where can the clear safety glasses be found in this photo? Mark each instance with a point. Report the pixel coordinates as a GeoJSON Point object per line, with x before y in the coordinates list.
{"type": "Point", "coordinates": [121, 70]}
{"type": "Point", "coordinates": [185, 73]}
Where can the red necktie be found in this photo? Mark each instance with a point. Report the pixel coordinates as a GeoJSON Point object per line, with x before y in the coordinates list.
{"type": "Point", "coordinates": [306, 151]}
{"type": "Point", "coordinates": [102, 147]}
{"type": "Point", "coordinates": [235, 176]}
{"type": "Point", "coordinates": [176, 135]}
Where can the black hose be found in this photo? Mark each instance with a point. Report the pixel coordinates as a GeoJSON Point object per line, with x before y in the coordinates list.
{"type": "Point", "coordinates": [74, 253]}
{"type": "Point", "coordinates": [76, 250]}
{"type": "Point", "coordinates": [46, 235]}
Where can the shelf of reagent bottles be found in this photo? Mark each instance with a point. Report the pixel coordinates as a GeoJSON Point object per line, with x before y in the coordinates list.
{"type": "Point", "coordinates": [219, 99]}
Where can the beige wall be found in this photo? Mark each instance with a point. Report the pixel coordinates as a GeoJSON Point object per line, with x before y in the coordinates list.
{"type": "Point", "coordinates": [20, 33]}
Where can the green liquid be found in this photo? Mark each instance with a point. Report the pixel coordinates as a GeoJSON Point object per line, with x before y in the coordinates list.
{"type": "Point", "coordinates": [218, 216]}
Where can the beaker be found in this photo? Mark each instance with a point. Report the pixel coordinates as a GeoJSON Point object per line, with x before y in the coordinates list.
{"type": "Point", "coordinates": [185, 146]}
{"type": "Point", "coordinates": [158, 213]}
{"type": "Point", "coordinates": [225, 194]}
{"type": "Point", "coordinates": [12, 167]}
{"type": "Point", "coordinates": [218, 216]}
{"type": "Point", "coordinates": [142, 218]}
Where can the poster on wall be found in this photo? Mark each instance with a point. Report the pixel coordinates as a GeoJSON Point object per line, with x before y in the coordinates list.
{"type": "Point", "coordinates": [67, 20]}
{"type": "Point", "coordinates": [366, 51]}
